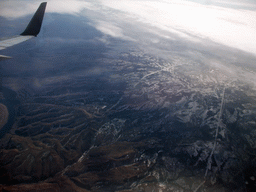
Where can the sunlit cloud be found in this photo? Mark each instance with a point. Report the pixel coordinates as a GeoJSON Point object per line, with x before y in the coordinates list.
{"type": "Point", "coordinates": [231, 27]}
{"type": "Point", "coordinates": [111, 30]}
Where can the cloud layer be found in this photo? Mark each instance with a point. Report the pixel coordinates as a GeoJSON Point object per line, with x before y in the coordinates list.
{"type": "Point", "coordinates": [231, 27]}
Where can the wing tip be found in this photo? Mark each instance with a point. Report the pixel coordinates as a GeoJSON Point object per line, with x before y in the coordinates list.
{"type": "Point", "coordinates": [35, 23]}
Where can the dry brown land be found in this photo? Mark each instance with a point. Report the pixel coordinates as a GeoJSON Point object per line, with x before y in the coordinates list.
{"type": "Point", "coordinates": [3, 115]}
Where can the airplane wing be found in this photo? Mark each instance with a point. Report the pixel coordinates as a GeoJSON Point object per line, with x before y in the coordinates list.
{"type": "Point", "coordinates": [32, 30]}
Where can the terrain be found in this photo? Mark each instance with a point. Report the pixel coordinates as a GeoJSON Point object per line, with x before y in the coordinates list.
{"type": "Point", "coordinates": [144, 124]}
